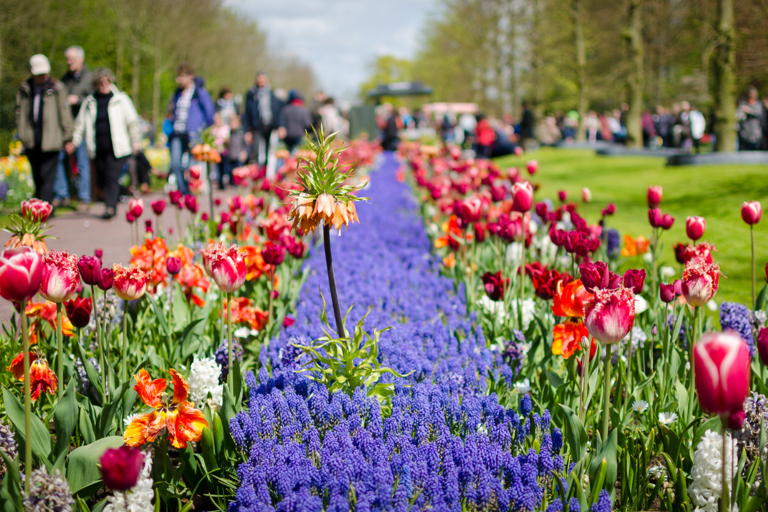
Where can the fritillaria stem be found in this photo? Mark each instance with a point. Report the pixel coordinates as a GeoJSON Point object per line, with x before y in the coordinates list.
{"type": "Point", "coordinates": [607, 393]}
{"type": "Point", "coordinates": [27, 401]}
{"type": "Point", "coordinates": [332, 281]}
{"type": "Point", "coordinates": [60, 357]}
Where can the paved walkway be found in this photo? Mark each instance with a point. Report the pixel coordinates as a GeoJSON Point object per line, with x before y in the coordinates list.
{"type": "Point", "coordinates": [81, 233]}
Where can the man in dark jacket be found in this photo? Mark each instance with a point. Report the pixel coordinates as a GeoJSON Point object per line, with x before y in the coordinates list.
{"type": "Point", "coordinates": [527, 127]}
{"type": "Point", "coordinates": [295, 120]}
{"type": "Point", "coordinates": [261, 116]}
{"type": "Point", "coordinates": [192, 112]}
{"type": "Point", "coordinates": [44, 122]}
{"type": "Point", "coordinates": [78, 82]}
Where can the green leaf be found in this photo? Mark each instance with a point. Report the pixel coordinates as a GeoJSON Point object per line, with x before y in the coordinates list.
{"type": "Point", "coordinates": [93, 375]}
{"type": "Point", "coordinates": [760, 301]}
{"type": "Point", "coordinates": [608, 451]}
{"type": "Point", "coordinates": [190, 338]}
{"type": "Point", "coordinates": [10, 487]}
{"type": "Point", "coordinates": [682, 399]}
{"type": "Point", "coordinates": [159, 316]}
{"type": "Point", "coordinates": [237, 381]}
{"type": "Point", "coordinates": [108, 413]}
{"type": "Point", "coordinates": [554, 379]}
{"type": "Point", "coordinates": [65, 419]}
{"type": "Point", "coordinates": [575, 433]}
{"type": "Point", "coordinates": [209, 449]}
{"type": "Point", "coordinates": [41, 438]}
{"type": "Point", "coordinates": [82, 469]}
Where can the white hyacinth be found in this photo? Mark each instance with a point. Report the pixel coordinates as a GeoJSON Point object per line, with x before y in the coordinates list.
{"type": "Point", "coordinates": [203, 379]}
{"type": "Point", "coordinates": [707, 471]}
{"type": "Point", "coordinates": [139, 498]}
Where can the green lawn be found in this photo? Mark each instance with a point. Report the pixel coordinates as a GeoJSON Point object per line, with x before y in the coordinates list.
{"type": "Point", "coordinates": [715, 192]}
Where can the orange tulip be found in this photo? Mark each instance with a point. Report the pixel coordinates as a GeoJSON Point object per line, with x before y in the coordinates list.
{"type": "Point", "coordinates": [635, 246]}
{"type": "Point", "coordinates": [42, 379]}
{"type": "Point", "coordinates": [570, 300]}
{"type": "Point", "coordinates": [178, 417]}
{"type": "Point", "coordinates": [567, 337]}
{"type": "Point", "coordinates": [17, 365]}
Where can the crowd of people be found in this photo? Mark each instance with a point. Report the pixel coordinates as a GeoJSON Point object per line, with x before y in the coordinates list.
{"type": "Point", "coordinates": [84, 123]}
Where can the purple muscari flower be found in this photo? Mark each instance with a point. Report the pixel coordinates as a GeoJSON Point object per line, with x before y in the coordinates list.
{"type": "Point", "coordinates": [603, 503]}
{"type": "Point", "coordinates": [3, 190]}
{"type": "Point", "coordinates": [671, 319]}
{"type": "Point", "coordinates": [738, 317]}
{"type": "Point", "coordinates": [526, 405]}
{"type": "Point", "coordinates": [557, 440]}
{"type": "Point", "coordinates": [223, 359]}
{"type": "Point", "coordinates": [574, 505]}
{"type": "Point", "coordinates": [514, 352]}
{"type": "Point", "coordinates": [555, 506]}
{"type": "Point", "coordinates": [613, 245]}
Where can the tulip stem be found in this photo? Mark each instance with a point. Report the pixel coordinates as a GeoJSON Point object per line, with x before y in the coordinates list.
{"type": "Point", "coordinates": [124, 362]}
{"type": "Point", "coordinates": [332, 281]}
{"type": "Point", "coordinates": [584, 377]}
{"type": "Point", "coordinates": [607, 392]}
{"type": "Point", "coordinates": [271, 293]}
{"type": "Point", "coordinates": [27, 400]}
{"type": "Point", "coordinates": [98, 342]}
{"type": "Point", "coordinates": [229, 339]}
{"type": "Point", "coordinates": [725, 505]}
{"type": "Point", "coordinates": [752, 238]}
{"type": "Point", "coordinates": [60, 353]}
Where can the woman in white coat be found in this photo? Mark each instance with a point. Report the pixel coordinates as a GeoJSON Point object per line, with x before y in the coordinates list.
{"type": "Point", "coordinates": [108, 123]}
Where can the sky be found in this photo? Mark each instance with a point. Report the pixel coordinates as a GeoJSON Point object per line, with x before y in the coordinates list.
{"type": "Point", "coordinates": [340, 38]}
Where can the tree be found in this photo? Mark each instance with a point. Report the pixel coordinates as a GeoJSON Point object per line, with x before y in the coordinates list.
{"type": "Point", "coordinates": [636, 76]}
{"type": "Point", "coordinates": [723, 66]}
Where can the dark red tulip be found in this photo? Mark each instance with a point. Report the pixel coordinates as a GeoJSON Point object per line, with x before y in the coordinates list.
{"type": "Point", "coordinates": [541, 209]}
{"type": "Point", "coordinates": [495, 285]}
{"type": "Point", "coordinates": [597, 276]}
{"type": "Point", "coordinates": [736, 420]}
{"type": "Point", "coordinates": [273, 254]}
{"type": "Point", "coordinates": [121, 467]}
{"type": "Point", "coordinates": [90, 269]}
{"type": "Point", "coordinates": [634, 279]}
{"type": "Point", "coordinates": [667, 292]}
{"type": "Point", "coordinates": [107, 277]}
{"type": "Point", "coordinates": [173, 265]}
{"type": "Point", "coordinates": [190, 203]}
{"type": "Point", "coordinates": [148, 226]}
{"type": "Point", "coordinates": [174, 196]}
{"type": "Point", "coordinates": [79, 311]}
{"type": "Point", "coordinates": [762, 345]}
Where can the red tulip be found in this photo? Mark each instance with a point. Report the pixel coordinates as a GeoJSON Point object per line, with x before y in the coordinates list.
{"type": "Point", "coordinates": [217, 202]}
{"type": "Point", "coordinates": [90, 269]}
{"type": "Point", "coordinates": [136, 207]}
{"type": "Point", "coordinates": [611, 315]}
{"type": "Point", "coordinates": [195, 172]}
{"type": "Point", "coordinates": [148, 226]}
{"type": "Point", "coordinates": [751, 212]}
{"type": "Point", "coordinates": [586, 195]}
{"type": "Point", "coordinates": [158, 206]}
{"type": "Point", "coordinates": [522, 196]}
{"type": "Point", "coordinates": [121, 467]}
{"type": "Point", "coordinates": [562, 195]}
{"type": "Point", "coordinates": [79, 311]}
{"type": "Point", "coordinates": [667, 221]}
{"type": "Point", "coordinates": [60, 276]}
{"type": "Point", "coordinates": [722, 366]}
{"type": "Point", "coordinates": [597, 276]}
{"type": "Point", "coordinates": [204, 217]}
{"type": "Point", "coordinates": [762, 345]}
{"type": "Point", "coordinates": [228, 268]}
{"type": "Point", "coordinates": [667, 292]}
{"type": "Point", "coordinates": [130, 283]}
{"type": "Point", "coordinates": [21, 273]}
{"type": "Point", "coordinates": [36, 210]}
{"type": "Point", "coordinates": [174, 196]}
{"type": "Point", "coordinates": [173, 265]}
{"type": "Point", "coordinates": [694, 227]}
{"type": "Point", "coordinates": [190, 203]}
{"type": "Point", "coordinates": [470, 210]}
{"type": "Point", "coordinates": [273, 254]}
{"type": "Point", "coordinates": [107, 278]}
{"type": "Point", "coordinates": [655, 217]}
{"type": "Point", "coordinates": [532, 166]}
{"type": "Point", "coordinates": [654, 196]}
{"type": "Point", "coordinates": [495, 285]}
{"type": "Point", "coordinates": [634, 280]}
{"type": "Point", "coordinates": [700, 280]}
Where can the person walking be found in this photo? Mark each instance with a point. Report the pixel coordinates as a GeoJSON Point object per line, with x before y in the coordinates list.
{"type": "Point", "coordinates": [750, 122]}
{"type": "Point", "coordinates": [528, 128]}
{"type": "Point", "coordinates": [78, 81]}
{"type": "Point", "coordinates": [698, 127]}
{"type": "Point", "coordinates": [330, 117]}
{"type": "Point", "coordinates": [261, 116]}
{"type": "Point", "coordinates": [44, 122]}
{"type": "Point", "coordinates": [192, 112]}
{"type": "Point", "coordinates": [109, 126]}
{"type": "Point", "coordinates": [295, 120]}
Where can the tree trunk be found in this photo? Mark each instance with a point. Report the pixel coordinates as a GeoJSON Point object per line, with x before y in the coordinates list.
{"type": "Point", "coordinates": [723, 65]}
{"type": "Point", "coordinates": [156, 88]}
{"type": "Point", "coordinates": [119, 63]}
{"type": "Point", "coordinates": [636, 78]}
{"type": "Point", "coordinates": [581, 77]}
{"type": "Point", "coordinates": [537, 63]}
{"type": "Point", "coordinates": [511, 60]}
{"type": "Point", "coordinates": [135, 72]}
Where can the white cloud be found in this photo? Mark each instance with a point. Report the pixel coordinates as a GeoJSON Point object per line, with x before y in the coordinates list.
{"type": "Point", "coordinates": [341, 37]}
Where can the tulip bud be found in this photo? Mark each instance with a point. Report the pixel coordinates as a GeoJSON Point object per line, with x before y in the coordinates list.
{"type": "Point", "coordinates": [700, 280]}
{"type": "Point", "coordinates": [762, 345]}
{"type": "Point", "coordinates": [173, 265]}
{"type": "Point", "coordinates": [562, 195]}
{"type": "Point", "coordinates": [90, 269]}
{"type": "Point", "coordinates": [21, 273]}
{"type": "Point", "coordinates": [722, 367]}
{"type": "Point", "coordinates": [120, 467]}
{"type": "Point", "coordinates": [148, 226]}
{"type": "Point", "coordinates": [586, 195]}
{"type": "Point", "coordinates": [654, 330]}
{"type": "Point", "coordinates": [611, 315]}
{"type": "Point", "coordinates": [107, 277]}
{"type": "Point", "coordinates": [217, 202]}
{"type": "Point", "coordinates": [667, 292]}
{"type": "Point", "coordinates": [532, 166]}
{"type": "Point", "coordinates": [98, 253]}
{"type": "Point", "coordinates": [654, 196]}
{"type": "Point", "coordinates": [273, 254]}
{"type": "Point", "coordinates": [736, 420]}
{"type": "Point", "coordinates": [751, 212]}
{"type": "Point", "coordinates": [541, 209]}
{"type": "Point", "coordinates": [522, 196]}
{"type": "Point", "coordinates": [79, 311]}
{"type": "Point", "coordinates": [655, 217]}
{"type": "Point", "coordinates": [694, 227]}
{"type": "Point", "coordinates": [667, 221]}
{"type": "Point", "coordinates": [204, 217]}
{"type": "Point", "coordinates": [610, 209]}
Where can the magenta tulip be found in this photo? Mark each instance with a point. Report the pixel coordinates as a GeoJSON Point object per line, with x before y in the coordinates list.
{"type": "Point", "coordinates": [107, 278]}
{"type": "Point", "coordinates": [21, 273]}
{"type": "Point", "coordinates": [273, 254]}
{"type": "Point", "coordinates": [36, 210]}
{"type": "Point", "coordinates": [136, 207]}
{"type": "Point", "coordinates": [667, 221]}
{"type": "Point", "coordinates": [470, 210]}
{"type": "Point", "coordinates": [751, 212]}
{"type": "Point", "coordinates": [522, 196]}
{"type": "Point", "coordinates": [694, 227]}
{"type": "Point", "coordinates": [634, 279]}
{"type": "Point", "coordinates": [597, 276]}
{"type": "Point", "coordinates": [174, 196]}
{"type": "Point", "coordinates": [609, 210]}
{"type": "Point", "coordinates": [532, 166]}
{"type": "Point", "coordinates": [667, 292]}
{"type": "Point", "coordinates": [190, 203]}
{"type": "Point", "coordinates": [173, 265]}
{"type": "Point", "coordinates": [98, 253]}
{"type": "Point", "coordinates": [158, 206]}
{"type": "Point", "coordinates": [611, 315]}
{"type": "Point", "coordinates": [654, 196]}
{"type": "Point", "coordinates": [129, 217]}
{"type": "Point", "coordinates": [722, 367]}
{"type": "Point", "coordinates": [90, 269]}
{"type": "Point", "coordinates": [562, 196]}
{"type": "Point", "coordinates": [699, 283]}
{"type": "Point", "coordinates": [228, 268]}
{"type": "Point", "coordinates": [762, 345]}
{"type": "Point", "coordinates": [121, 467]}
{"type": "Point", "coordinates": [655, 217]}
{"type": "Point", "coordinates": [60, 276]}
{"type": "Point", "coordinates": [586, 195]}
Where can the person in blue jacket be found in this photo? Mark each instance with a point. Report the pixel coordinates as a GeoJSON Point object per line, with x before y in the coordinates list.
{"type": "Point", "coordinates": [193, 112]}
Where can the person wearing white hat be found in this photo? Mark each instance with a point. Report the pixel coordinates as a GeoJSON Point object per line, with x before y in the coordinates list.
{"type": "Point", "coordinates": [44, 122]}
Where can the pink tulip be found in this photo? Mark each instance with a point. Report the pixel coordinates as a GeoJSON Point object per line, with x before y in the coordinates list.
{"type": "Point", "coordinates": [90, 269]}
{"type": "Point", "coordinates": [273, 254]}
{"type": "Point", "coordinates": [667, 292]}
{"type": "Point", "coordinates": [532, 166]}
{"type": "Point", "coordinates": [562, 196]}
{"type": "Point", "coordinates": [228, 269]}
{"type": "Point", "coordinates": [655, 217]}
{"type": "Point", "coordinates": [586, 195]}
{"type": "Point", "coordinates": [470, 210]}
{"type": "Point", "coordinates": [120, 467]}
{"type": "Point", "coordinates": [36, 210]}
{"type": "Point", "coordinates": [522, 196]}
{"type": "Point", "coordinates": [762, 345]}
{"type": "Point", "coordinates": [611, 315]}
{"type": "Point", "coordinates": [667, 221]}
{"type": "Point", "coordinates": [694, 227]}
{"type": "Point", "coordinates": [60, 276]}
{"type": "Point", "coordinates": [751, 212]}
{"type": "Point", "coordinates": [597, 276]}
{"type": "Point", "coordinates": [158, 206]}
{"type": "Point", "coordinates": [654, 196]}
{"type": "Point", "coordinates": [609, 210]}
{"type": "Point", "coordinates": [107, 279]}
{"type": "Point", "coordinates": [21, 273]}
{"type": "Point", "coordinates": [173, 265]}
{"type": "Point", "coordinates": [518, 151]}
{"type": "Point", "coordinates": [136, 207]}
{"type": "Point", "coordinates": [722, 367]}
{"type": "Point", "coordinates": [129, 283]}
{"type": "Point", "coordinates": [700, 280]}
